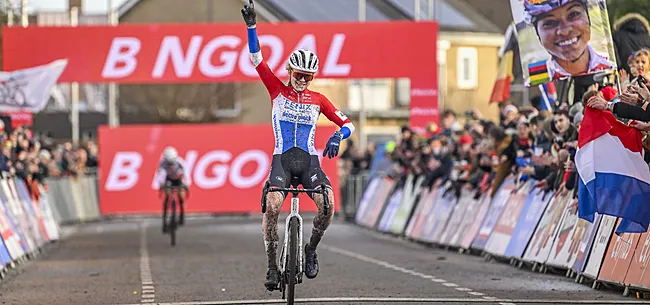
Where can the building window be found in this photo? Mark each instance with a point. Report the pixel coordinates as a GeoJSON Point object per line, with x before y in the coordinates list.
{"type": "Point", "coordinates": [467, 68]}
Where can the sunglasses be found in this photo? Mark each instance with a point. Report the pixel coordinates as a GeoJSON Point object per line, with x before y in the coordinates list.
{"type": "Point", "coordinates": [299, 75]}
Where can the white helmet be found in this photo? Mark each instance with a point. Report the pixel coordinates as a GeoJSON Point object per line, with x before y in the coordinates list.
{"type": "Point", "coordinates": [303, 60]}
{"type": "Point", "coordinates": [170, 154]}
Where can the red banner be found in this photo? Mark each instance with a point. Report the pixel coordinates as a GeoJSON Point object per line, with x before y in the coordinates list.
{"type": "Point", "coordinates": [228, 165]}
{"type": "Point", "coordinates": [619, 256]}
{"type": "Point", "coordinates": [191, 53]}
{"type": "Point", "coordinates": [207, 53]}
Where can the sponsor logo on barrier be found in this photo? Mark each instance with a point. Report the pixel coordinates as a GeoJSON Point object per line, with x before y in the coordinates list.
{"type": "Point", "coordinates": [622, 246]}
{"type": "Point", "coordinates": [209, 171]}
{"type": "Point", "coordinates": [644, 254]}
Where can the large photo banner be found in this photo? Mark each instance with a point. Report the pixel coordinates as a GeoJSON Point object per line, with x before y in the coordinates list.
{"type": "Point", "coordinates": [227, 167]}
{"type": "Point", "coordinates": [562, 38]}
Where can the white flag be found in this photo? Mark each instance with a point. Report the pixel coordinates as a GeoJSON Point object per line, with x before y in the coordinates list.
{"type": "Point", "coordinates": [29, 89]}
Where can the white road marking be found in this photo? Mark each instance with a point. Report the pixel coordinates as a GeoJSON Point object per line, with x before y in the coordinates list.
{"type": "Point", "coordinates": [145, 268]}
{"type": "Point", "coordinates": [403, 300]}
{"type": "Point", "coordinates": [463, 289]}
{"type": "Point", "coordinates": [391, 266]}
{"type": "Point", "coordinates": [476, 293]}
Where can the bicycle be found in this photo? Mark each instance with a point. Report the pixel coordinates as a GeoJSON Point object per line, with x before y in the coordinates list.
{"type": "Point", "coordinates": [291, 268]}
{"type": "Point", "coordinates": [173, 196]}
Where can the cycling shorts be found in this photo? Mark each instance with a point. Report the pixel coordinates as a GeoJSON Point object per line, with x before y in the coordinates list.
{"type": "Point", "coordinates": [297, 165]}
{"type": "Point", "coordinates": [174, 182]}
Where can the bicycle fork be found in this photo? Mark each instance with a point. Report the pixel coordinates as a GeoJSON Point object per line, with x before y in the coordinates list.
{"type": "Point", "coordinates": [294, 213]}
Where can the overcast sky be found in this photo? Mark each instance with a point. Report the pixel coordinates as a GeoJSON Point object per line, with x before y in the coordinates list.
{"type": "Point", "coordinates": [89, 6]}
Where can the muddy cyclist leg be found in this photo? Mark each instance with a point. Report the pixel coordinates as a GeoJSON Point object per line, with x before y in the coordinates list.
{"type": "Point", "coordinates": [322, 220]}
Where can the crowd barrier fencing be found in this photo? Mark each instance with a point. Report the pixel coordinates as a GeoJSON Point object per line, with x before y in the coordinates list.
{"type": "Point", "coordinates": [520, 224]}
{"type": "Point", "coordinates": [31, 215]}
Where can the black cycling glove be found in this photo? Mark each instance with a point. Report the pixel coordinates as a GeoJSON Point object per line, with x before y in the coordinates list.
{"type": "Point", "coordinates": [248, 12]}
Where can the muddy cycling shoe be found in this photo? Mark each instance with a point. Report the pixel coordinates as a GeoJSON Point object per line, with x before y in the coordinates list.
{"type": "Point", "coordinates": [272, 278]}
{"type": "Point", "coordinates": [311, 262]}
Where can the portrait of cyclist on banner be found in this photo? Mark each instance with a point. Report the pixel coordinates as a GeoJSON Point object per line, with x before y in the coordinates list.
{"type": "Point", "coordinates": [171, 173]}
{"type": "Point", "coordinates": [295, 113]}
{"type": "Point", "coordinates": [564, 30]}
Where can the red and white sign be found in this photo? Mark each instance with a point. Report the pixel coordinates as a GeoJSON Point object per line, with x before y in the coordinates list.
{"type": "Point", "coordinates": [190, 53]}
{"type": "Point", "coordinates": [227, 165]}
{"type": "Point", "coordinates": [208, 53]}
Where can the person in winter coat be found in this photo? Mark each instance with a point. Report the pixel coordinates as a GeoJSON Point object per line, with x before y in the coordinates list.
{"type": "Point", "coordinates": [631, 33]}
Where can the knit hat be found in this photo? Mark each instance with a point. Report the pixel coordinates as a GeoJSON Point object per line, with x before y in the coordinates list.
{"type": "Point", "coordinates": [578, 118]}
{"type": "Point", "coordinates": [609, 93]}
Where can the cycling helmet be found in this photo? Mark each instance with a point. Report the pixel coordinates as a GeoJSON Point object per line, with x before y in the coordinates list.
{"type": "Point", "coordinates": [170, 154]}
{"type": "Point", "coordinates": [304, 61]}
{"type": "Point", "coordinates": [534, 8]}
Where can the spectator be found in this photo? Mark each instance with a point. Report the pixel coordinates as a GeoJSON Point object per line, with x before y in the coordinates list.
{"type": "Point", "coordinates": [631, 33]}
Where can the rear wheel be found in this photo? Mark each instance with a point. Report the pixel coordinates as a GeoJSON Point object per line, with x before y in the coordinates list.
{"type": "Point", "coordinates": [292, 261]}
{"type": "Point", "coordinates": [172, 223]}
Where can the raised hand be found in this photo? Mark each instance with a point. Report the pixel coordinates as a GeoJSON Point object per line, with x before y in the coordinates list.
{"type": "Point", "coordinates": [248, 12]}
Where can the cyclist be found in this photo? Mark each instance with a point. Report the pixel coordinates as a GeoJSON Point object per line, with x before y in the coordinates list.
{"type": "Point", "coordinates": [171, 173]}
{"type": "Point", "coordinates": [295, 114]}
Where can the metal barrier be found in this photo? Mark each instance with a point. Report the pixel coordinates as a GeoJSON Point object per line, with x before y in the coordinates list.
{"type": "Point", "coordinates": [352, 188]}
{"type": "Point", "coordinates": [73, 199]}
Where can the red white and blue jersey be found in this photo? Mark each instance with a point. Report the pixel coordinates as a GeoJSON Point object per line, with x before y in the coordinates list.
{"type": "Point", "coordinates": [295, 114]}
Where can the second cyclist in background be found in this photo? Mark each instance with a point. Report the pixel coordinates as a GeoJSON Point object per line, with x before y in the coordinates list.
{"type": "Point", "coordinates": [171, 173]}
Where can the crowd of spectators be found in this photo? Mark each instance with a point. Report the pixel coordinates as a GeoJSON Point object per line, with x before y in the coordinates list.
{"type": "Point", "coordinates": [34, 157]}
{"type": "Point", "coordinates": [527, 142]}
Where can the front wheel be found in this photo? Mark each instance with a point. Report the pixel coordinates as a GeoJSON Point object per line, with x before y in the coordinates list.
{"type": "Point", "coordinates": [172, 223]}
{"type": "Point", "coordinates": [292, 260]}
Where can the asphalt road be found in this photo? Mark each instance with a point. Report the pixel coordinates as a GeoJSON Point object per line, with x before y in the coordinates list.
{"type": "Point", "coordinates": [222, 261]}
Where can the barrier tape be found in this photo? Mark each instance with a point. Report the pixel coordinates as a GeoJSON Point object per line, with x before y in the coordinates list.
{"type": "Point", "coordinates": [519, 223]}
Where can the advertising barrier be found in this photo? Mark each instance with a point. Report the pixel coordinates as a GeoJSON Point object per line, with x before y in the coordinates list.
{"type": "Point", "coordinates": [637, 275]}
{"type": "Point", "coordinates": [619, 257]}
{"type": "Point", "coordinates": [497, 206]}
{"type": "Point", "coordinates": [585, 245]}
{"type": "Point", "coordinates": [542, 241]}
{"type": "Point", "coordinates": [411, 193]}
{"type": "Point", "coordinates": [456, 218]}
{"type": "Point", "coordinates": [505, 227]}
{"type": "Point", "coordinates": [27, 214]}
{"type": "Point", "coordinates": [527, 226]}
{"type": "Point", "coordinates": [475, 225]}
{"type": "Point", "coordinates": [415, 222]}
{"type": "Point", "coordinates": [376, 202]}
{"type": "Point", "coordinates": [604, 234]}
{"type": "Point", "coordinates": [529, 217]}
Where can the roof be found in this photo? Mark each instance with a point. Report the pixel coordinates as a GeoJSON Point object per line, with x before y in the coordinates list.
{"type": "Point", "coordinates": [452, 15]}
{"type": "Point", "coordinates": [497, 12]}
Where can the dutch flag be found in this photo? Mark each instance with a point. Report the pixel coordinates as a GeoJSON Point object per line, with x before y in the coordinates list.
{"type": "Point", "coordinates": [614, 178]}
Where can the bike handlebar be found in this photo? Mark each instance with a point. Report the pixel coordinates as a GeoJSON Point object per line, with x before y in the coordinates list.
{"type": "Point", "coordinates": [322, 190]}
{"type": "Point", "coordinates": [297, 190]}
{"type": "Point", "coordinates": [174, 188]}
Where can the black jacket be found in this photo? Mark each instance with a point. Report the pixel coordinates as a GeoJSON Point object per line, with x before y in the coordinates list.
{"type": "Point", "coordinates": [630, 35]}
